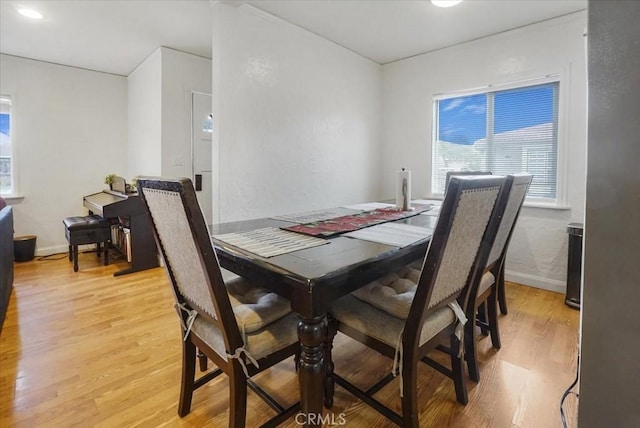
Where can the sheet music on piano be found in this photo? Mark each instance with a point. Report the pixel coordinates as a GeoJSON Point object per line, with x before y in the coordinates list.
{"type": "Point", "coordinates": [119, 187]}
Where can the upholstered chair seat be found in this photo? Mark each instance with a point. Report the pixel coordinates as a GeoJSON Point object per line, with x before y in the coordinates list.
{"type": "Point", "coordinates": [264, 318]}
{"type": "Point", "coordinates": [386, 303]}
{"type": "Point", "coordinates": [384, 326]}
{"type": "Point", "coordinates": [393, 293]}
{"type": "Point", "coordinates": [255, 307]}
{"type": "Point", "coordinates": [486, 282]}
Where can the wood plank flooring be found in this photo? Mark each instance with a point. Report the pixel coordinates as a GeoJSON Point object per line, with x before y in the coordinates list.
{"type": "Point", "coordinates": [88, 349]}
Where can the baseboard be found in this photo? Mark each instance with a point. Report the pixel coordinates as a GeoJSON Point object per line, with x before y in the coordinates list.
{"type": "Point", "coordinates": [57, 249]}
{"type": "Point", "coordinates": [536, 281]}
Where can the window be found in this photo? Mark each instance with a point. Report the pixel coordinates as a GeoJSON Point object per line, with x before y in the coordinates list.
{"type": "Point", "coordinates": [7, 181]}
{"type": "Point", "coordinates": [503, 131]}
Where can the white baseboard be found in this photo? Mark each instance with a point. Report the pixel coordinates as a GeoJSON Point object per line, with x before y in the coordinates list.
{"type": "Point", "coordinates": [536, 281]}
{"type": "Point", "coordinates": [57, 249]}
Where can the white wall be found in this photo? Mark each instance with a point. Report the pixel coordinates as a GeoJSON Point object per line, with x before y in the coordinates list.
{"type": "Point", "coordinates": [144, 99]}
{"type": "Point", "coordinates": [181, 74]}
{"type": "Point", "coordinates": [70, 129]}
{"type": "Point", "coordinates": [538, 249]}
{"type": "Point", "coordinates": [298, 118]}
{"type": "Point", "coordinates": [159, 99]}
{"type": "Point", "coordinates": [70, 126]}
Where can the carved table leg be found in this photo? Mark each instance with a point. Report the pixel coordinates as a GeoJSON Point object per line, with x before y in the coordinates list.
{"type": "Point", "coordinates": [312, 333]}
{"type": "Point", "coordinates": [329, 385]}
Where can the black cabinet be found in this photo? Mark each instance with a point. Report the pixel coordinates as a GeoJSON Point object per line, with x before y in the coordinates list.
{"type": "Point", "coordinates": [574, 265]}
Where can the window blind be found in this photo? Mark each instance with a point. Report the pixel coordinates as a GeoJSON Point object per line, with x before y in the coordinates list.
{"type": "Point", "coordinates": [505, 131]}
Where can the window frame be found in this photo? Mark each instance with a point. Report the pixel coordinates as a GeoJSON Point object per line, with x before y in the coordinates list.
{"type": "Point", "coordinates": [562, 79]}
{"type": "Point", "coordinates": [15, 189]}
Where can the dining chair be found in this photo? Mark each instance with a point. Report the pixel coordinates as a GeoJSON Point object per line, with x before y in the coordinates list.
{"type": "Point", "coordinates": [502, 296]}
{"type": "Point", "coordinates": [242, 328]}
{"type": "Point", "coordinates": [523, 185]}
{"type": "Point", "coordinates": [407, 314]}
{"type": "Point", "coordinates": [482, 306]}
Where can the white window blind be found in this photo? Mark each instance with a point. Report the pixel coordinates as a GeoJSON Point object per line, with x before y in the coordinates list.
{"type": "Point", "coordinates": [501, 131]}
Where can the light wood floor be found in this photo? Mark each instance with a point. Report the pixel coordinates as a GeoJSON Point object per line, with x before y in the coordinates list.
{"type": "Point", "coordinates": [89, 350]}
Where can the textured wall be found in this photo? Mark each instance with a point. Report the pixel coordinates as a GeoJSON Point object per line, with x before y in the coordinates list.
{"type": "Point", "coordinates": [70, 126]}
{"type": "Point", "coordinates": [610, 351]}
{"type": "Point", "coordinates": [181, 74]}
{"type": "Point", "coordinates": [159, 112]}
{"type": "Point", "coordinates": [298, 118]}
{"type": "Point", "coordinates": [144, 113]}
{"type": "Point", "coordinates": [538, 249]}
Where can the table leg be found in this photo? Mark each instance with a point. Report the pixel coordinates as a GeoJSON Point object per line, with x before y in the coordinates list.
{"type": "Point", "coordinates": [312, 333]}
{"type": "Point", "coordinates": [329, 383]}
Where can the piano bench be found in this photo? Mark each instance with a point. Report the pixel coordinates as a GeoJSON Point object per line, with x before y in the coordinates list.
{"type": "Point", "coordinates": [91, 229]}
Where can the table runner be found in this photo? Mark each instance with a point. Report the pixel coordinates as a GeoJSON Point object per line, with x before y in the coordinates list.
{"type": "Point", "coordinates": [319, 215]}
{"type": "Point", "coordinates": [327, 228]}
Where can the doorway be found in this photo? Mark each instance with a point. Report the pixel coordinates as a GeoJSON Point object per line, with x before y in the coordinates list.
{"type": "Point", "coordinates": [201, 154]}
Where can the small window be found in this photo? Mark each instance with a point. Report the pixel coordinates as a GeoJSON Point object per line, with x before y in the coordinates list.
{"type": "Point", "coordinates": [502, 131]}
{"type": "Point", "coordinates": [7, 166]}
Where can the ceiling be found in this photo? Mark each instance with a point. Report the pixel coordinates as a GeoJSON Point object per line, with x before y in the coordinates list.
{"type": "Point", "coordinates": [116, 36]}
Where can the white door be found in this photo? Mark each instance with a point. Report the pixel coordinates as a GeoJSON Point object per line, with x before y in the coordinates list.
{"type": "Point", "coordinates": [201, 155]}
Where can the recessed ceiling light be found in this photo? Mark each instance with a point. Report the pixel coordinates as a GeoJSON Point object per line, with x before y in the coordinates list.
{"type": "Point", "coordinates": [30, 13]}
{"type": "Point", "coordinates": [445, 3]}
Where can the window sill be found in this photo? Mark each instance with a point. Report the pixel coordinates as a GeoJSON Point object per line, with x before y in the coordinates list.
{"type": "Point", "coordinates": [527, 204]}
{"type": "Point", "coordinates": [12, 198]}
{"type": "Point", "coordinates": [546, 206]}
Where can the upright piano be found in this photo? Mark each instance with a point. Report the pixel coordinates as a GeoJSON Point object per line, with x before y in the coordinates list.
{"type": "Point", "coordinates": [128, 208]}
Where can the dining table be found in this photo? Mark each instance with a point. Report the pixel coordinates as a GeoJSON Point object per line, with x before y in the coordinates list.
{"type": "Point", "coordinates": [314, 277]}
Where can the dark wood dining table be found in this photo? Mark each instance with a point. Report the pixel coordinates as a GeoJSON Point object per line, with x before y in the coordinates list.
{"type": "Point", "coordinates": [312, 279]}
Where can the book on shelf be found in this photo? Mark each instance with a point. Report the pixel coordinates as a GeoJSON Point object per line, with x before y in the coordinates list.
{"type": "Point", "coordinates": [121, 239]}
{"type": "Point", "coordinates": [127, 243]}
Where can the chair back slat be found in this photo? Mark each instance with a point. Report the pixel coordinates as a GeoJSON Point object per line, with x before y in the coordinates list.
{"type": "Point", "coordinates": [460, 243]}
{"type": "Point", "coordinates": [180, 249]}
{"type": "Point", "coordinates": [467, 230]}
{"type": "Point", "coordinates": [516, 186]}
